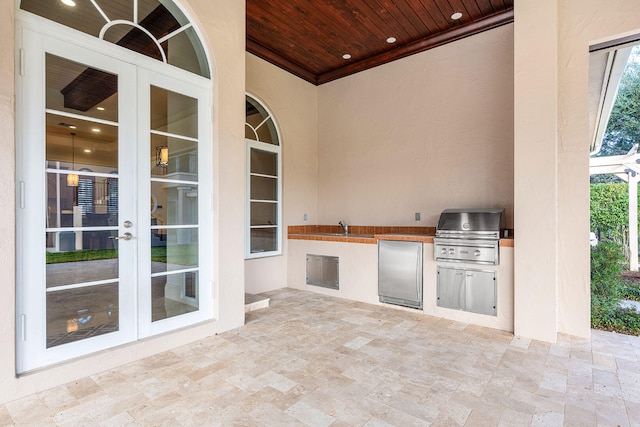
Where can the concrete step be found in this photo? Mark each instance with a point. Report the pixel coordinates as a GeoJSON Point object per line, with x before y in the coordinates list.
{"type": "Point", "coordinates": [254, 302]}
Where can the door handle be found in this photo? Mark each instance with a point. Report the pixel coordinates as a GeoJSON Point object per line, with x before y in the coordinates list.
{"type": "Point", "coordinates": [126, 236]}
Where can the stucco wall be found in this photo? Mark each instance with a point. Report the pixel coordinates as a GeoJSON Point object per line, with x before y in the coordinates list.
{"type": "Point", "coordinates": [581, 23]}
{"type": "Point", "coordinates": [293, 103]}
{"type": "Point", "coordinates": [425, 133]}
{"type": "Point", "coordinates": [535, 165]}
{"type": "Point", "coordinates": [222, 25]}
{"type": "Point", "coordinates": [552, 42]}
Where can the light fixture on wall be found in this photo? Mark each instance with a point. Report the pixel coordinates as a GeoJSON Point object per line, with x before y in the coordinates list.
{"type": "Point", "coordinates": [162, 156]}
{"type": "Point", "coordinates": [72, 178]}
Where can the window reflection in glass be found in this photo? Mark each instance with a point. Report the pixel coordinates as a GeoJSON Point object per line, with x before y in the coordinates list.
{"type": "Point", "coordinates": [263, 240]}
{"type": "Point", "coordinates": [264, 162]}
{"type": "Point", "coordinates": [174, 249]}
{"type": "Point", "coordinates": [263, 188]}
{"type": "Point", "coordinates": [182, 156]}
{"type": "Point", "coordinates": [173, 295]}
{"type": "Point", "coordinates": [81, 256]}
{"type": "Point", "coordinates": [78, 89]}
{"type": "Point", "coordinates": [92, 203]}
{"type": "Point", "coordinates": [174, 113]}
{"type": "Point", "coordinates": [173, 204]}
{"type": "Point", "coordinates": [264, 213]}
{"type": "Point", "coordinates": [76, 314]}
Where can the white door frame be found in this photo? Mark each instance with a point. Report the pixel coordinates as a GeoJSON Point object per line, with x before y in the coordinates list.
{"type": "Point", "coordinates": [34, 36]}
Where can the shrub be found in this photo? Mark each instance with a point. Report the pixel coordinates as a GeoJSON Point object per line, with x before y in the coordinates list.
{"type": "Point", "coordinates": [606, 289]}
{"type": "Point", "coordinates": [630, 291]}
{"type": "Point", "coordinates": [606, 269]}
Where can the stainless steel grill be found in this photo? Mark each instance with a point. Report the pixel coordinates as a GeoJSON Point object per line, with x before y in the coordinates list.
{"type": "Point", "coordinates": [469, 236]}
{"type": "Point", "coordinates": [467, 252]}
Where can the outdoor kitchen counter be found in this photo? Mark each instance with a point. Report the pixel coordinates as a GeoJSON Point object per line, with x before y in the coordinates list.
{"type": "Point", "coordinates": [371, 234]}
{"type": "Point", "coordinates": [358, 268]}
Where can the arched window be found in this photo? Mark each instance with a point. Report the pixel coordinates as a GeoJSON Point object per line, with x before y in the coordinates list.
{"type": "Point", "coordinates": [264, 182]}
{"type": "Point", "coordinates": [155, 28]}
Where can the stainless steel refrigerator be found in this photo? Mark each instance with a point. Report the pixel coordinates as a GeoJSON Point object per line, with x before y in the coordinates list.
{"type": "Point", "coordinates": [400, 273]}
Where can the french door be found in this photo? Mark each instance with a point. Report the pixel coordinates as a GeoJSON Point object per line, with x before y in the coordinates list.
{"type": "Point", "coordinates": [114, 211]}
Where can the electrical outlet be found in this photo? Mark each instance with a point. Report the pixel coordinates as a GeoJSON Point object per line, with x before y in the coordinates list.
{"type": "Point", "coordinates": [417, 216]}
{"type": "Point", "coordinates": [305, 217]}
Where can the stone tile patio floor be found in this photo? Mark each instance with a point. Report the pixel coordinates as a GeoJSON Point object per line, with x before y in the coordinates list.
{"type": "Point", "coordinates": [315, 360]}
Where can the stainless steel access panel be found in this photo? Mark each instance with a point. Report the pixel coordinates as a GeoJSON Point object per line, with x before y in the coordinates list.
{"type": "Point", "coordinates": [323, 270]}
{"type": "Point", "coordinates": [400, 273]}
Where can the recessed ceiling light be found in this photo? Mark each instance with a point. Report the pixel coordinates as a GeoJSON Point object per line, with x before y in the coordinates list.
{"type": "Point", "coordinates": [346, 56]}
{"type": "Point", "coordinates": [86, 150]}
{"type": "Point", "coordinates": [100, 108]}
{"type": "Point", "coordinates": [96, 130]}
{"type": "Point", "coordinates": [68, 2]}
{"type": "Point", "coordinates": [391, 40]}
{"type": "Point", "coordinates": [73, 127]}
{"type": "Point", "coordinates": [456, 16]}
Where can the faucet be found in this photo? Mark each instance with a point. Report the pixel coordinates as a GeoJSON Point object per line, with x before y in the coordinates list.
{"type": "Point", "coordinates": [345, 227]}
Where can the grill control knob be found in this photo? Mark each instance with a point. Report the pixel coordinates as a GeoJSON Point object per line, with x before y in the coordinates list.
{"type": "Point", "coordinates": [452, 252]}
{"type": "Point", "coordinates": [476, 252]}
{"type": "Point", "coordinates": [443, 251]}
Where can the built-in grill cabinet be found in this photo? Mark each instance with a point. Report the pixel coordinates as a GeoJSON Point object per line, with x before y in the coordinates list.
{"type": "Point", "coordinates": [467, 251]}
{"type": "Point", "coordinates": [467, 289]}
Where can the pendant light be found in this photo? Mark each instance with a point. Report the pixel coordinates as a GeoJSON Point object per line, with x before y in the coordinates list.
{"type": "Point", "coordinates": [72, 178]}
{"type": "Point", "coordinates": [162, 156]}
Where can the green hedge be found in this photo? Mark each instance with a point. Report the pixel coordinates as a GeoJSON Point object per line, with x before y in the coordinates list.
{"type": "Point", "coordinates": [610, 212]}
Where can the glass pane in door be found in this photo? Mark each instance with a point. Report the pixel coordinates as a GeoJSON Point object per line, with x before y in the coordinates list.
{"type": "Point", "coordinates": [82, 262]}
{"type": "Point", "coordinates": [174, 186]}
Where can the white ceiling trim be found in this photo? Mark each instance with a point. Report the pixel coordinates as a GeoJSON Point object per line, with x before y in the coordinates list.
{"type": "Point", "coordinates": [616, 62]}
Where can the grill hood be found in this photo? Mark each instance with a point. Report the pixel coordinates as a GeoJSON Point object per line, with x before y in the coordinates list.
{"type": "Point", "coordinates": [470, 223]}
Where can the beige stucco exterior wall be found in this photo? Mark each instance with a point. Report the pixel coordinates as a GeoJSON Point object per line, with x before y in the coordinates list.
{"type": "Point", "coordinates": [552, 42]}
{"type": "Point", "coordinates": [581, 23]}
{"type": "Point", "coordinates": [425, 133]}
{"type": "Point", "coordinates": [222, 25]}
{"type": "Point", "coordinates": [535, 165]}
{"type": "Point", "coordinates": [293, 102]}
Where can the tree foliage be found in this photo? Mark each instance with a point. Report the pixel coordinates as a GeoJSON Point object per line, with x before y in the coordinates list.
{"type": "Point", "coordinates": [623, 128]}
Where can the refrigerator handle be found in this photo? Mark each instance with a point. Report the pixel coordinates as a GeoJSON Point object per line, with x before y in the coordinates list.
{"type": "Point", "coordinates": [418, 261]}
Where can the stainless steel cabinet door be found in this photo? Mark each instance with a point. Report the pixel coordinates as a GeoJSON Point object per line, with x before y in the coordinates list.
{"type": "Point", "coordinates": [481, 292]}
{"type": "Point", "coordinates": [451, 288]}
{"type": "Point", "coordinates": [323, 271]}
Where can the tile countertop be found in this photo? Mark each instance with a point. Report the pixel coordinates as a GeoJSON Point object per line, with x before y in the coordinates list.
{"type": "Point", "coordinates": [370, 234]}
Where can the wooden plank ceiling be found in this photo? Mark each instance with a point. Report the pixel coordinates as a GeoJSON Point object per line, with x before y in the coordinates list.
{"type": "Point", "coordinates": [309, 37]}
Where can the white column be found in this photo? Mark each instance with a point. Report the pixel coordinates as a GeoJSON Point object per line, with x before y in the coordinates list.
{"type": "Point", "coordinates": [536, 169]}
{"type": "Point", "coordinates": [633, 222]}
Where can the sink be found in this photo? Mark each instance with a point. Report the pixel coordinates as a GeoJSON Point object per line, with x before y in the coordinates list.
{"type": "Point", "coordinates": [345, 235]}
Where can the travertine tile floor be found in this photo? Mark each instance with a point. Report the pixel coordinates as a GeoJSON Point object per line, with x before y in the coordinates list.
{"type": "Point", "coordinates": [319, 361]}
